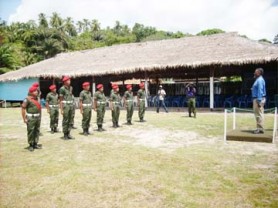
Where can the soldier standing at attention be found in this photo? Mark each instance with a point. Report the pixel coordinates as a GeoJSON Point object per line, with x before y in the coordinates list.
{"type": "Point", "coordinates": [191, 98]}
{"type": "Point", "coordinates": [66, 106]}
{"type": "Point", "coordinates": [31, 114]}
{"type": "Point", "coordinates": [85, 103]}
{"type": "Point", "coordinates": [128, 103]}
{"type": "Point", "coordinates": [115, 100]}
{"type": "Point", "coordinates": [99, 106]}
{"type": "Point", "coordinates": [141, 98]}
{"type": "Point", "coordinates": [52, 106]}
{"type": "Point", "coordinates": [37, 85]}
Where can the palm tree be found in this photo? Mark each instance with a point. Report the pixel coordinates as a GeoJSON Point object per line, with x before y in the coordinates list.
{"type": "Point", "coordinates": [42, 20]}
{"type": "Point", "coordinates": [7, 58]}
{"type": "Point", "coordinates": [95, 26]}
{"type": "Point", "coordinates": [80, 26]}
{"type": "Point", "coordinates": [56, 21]}
{"type": "Point", "coordinates": [86, 24]}
{"type": "Point", "coordinates": [69, 27]}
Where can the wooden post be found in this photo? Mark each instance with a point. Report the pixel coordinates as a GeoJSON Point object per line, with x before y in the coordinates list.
{"type": "Point", "coordinates": [211, 89]}
{"type": "Point", "coordinates": [146, 89]}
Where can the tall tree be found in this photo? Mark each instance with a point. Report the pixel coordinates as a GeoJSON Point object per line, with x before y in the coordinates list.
{"type": "Point", "coordinates": [43, 20]}
{"type": "Point", "coordinates": [69, 27]}
{"type": "Point", "coordinates": [86, 25]}
{"type": "Point", "coordinates": [56, 21]}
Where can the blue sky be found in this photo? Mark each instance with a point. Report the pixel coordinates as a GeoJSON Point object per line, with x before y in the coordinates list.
{"type": "Point", "coordinates": [255, 18]}
{"type": "Point", "coordinates": [8, 7]}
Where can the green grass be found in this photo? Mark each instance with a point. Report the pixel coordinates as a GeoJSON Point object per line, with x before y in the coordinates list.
{"type": "Point", "coordinates": [113, 169]}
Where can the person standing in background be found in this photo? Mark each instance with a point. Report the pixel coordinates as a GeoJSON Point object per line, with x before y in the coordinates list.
{"type": "Point", "coordinates": [160, 99]}
{"type": "Point", "coordinates": [191, 98]}
{"type": "Point", "coordinates": [259, 99]}
{"type": "Point", "coordinates": [128, 103]}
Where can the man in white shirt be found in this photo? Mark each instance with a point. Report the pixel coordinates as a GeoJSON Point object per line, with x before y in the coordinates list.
{"type": "Point", "coordinates": [160, 99]}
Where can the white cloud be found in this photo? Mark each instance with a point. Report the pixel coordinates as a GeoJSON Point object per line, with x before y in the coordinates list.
{"type": "Point", "coordinates": [255, 18]}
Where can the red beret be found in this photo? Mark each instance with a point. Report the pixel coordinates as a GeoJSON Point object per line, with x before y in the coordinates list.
{"type": "Point", "coordinates": [52, 87]}
{"type": "Point", "coordinates": [36, 84]}
{"type": "Point", "coordinates": [32, 89]}
{"type": "Point", "coordinates": [66, 78]}
{"type": "Point", "coordinates": [86, 84]}
{"type": "Point", "coordinates": [99, 86]}
{"type": "Point", "coordinates": [141, 85]}
{"type": "Point", "coordinates": [128, 86]}
{"type": "Point", "coordinates": [115, 86]}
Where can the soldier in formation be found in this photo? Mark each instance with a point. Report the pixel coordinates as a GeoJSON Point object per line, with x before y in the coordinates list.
{"type": "Point", "coordinates": [66, 106]}
{"type": "Point", "coordinates": [128, 103]}
{"type": "Point", "coordinates": [141, 100]}
{"type": "Point", "coordinates": [52, 106]}
{"type": "Point", "coordinates": [85, 103]}
{"type": "Point", "coordinates": [99, 106]}
{"type": "Point", "coordinates": [31, 114]}
{"type": "Point", "coordinates": [115, 101]}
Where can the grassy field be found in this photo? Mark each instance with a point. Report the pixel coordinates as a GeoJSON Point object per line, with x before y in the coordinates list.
{"type": "Point", "coordinates": [169, 161]}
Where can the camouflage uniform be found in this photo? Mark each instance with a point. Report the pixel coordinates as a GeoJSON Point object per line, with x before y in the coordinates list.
{"type": "Point", "coordinates": [33, 115]}
{"type": "Point", "coordinates": [52, 101]}
{"type": "Point", "coordinates": [141, 94]}
{"type": "Point", "coordinates": [129, 105]}
{"type": "Point", "coordinates": [68, 102]}
{"type": "Point", "coordinates": [115, 100]}
{"type": "Point", "coordinates": [86, 98]}
{"type": "Point", "coordinates": [100, 100]}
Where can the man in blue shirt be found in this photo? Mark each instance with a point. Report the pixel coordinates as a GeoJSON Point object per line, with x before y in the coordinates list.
{"type": "Point", "coordinates": [258, 95]}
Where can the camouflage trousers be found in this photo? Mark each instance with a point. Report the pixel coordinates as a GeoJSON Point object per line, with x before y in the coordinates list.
{"type": "Point", "coordinates": [191, 103]}
{"type": "Point", "coordinates": [129, 111]}
{"type": "Point", "coordinates": [67, 118]}
{"type": "Point", "coordinates": [87, 114]}
{"type": "Point", "coordinates": [100, 113]}
{"type": "Point", "coordinates": [33, 130]}
{"type": "Point", "coordinates": [141, 110]}
{"type": "Point", "coordinates": [115, 114]}
{"type": "Point", "coordinates": [54, 117]}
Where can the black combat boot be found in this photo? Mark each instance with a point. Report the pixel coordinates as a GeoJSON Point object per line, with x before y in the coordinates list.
{"type": "Point", "coordinates": [37, 146]}
{"type": "Point", "coordinates": [55, 129]}
{"type": "Point", "coordinates": [114, 125]}
{"type": "Point", "coordinates": [85, 133]}
{"type": "Point", "coordinates": [52, 131]}
{"type": "Point", "coordinates": [69, 136]}
{"type": "Point", "coordinates": [117, 124]}
{"type": "Point", "coordinates": [99, 128]}
{"type": "Point", "coordinates": [31, 148]}
{"type": "Point", "coordinates": [66, 136]}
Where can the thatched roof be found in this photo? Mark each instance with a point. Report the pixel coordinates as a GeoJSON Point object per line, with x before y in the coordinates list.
{"type": "Point", "coordinates": [189, 52]}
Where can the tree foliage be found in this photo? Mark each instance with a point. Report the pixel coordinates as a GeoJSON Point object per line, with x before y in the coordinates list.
{"type": "Point", "coordinates": [24, 43]}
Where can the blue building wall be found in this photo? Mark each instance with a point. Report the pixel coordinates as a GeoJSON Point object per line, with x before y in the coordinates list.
{"type": "Point", "coordinates": [15, 91]}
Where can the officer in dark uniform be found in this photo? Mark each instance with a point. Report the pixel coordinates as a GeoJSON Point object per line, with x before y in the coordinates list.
{"type": "Point", "coordinates": [66, 106]}
{"type": "Point", "coordinates": [99, 106]}
{"type": "Point", "coordinates": [31, 114]}
{"type": "Point", "coordinates": [52, 106]}
{"type": "Point", "coordinates": [85, 103]}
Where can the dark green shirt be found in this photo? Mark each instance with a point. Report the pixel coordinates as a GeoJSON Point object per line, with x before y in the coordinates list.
{"type": "Point", "coordinates": [66, 93]}
{"type": "Point", "coordinates": [141, 94]}
{"type": "Point", "coordinates": [100, 97]}
{"type": "Point", "coordinates": [86, 97]}
{"type": "Point", "coordinates": [30, 106]}
{"type": "Point", "coordinates": [115, 97]}
{"type": "Point", "coordinates": [52, 98]}
{"type": "Point", "coordinates": [128, 95]}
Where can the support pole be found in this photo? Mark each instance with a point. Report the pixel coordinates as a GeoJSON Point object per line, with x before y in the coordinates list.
{"type": "Point", "coordinates": [274, 126]}
{"type": "Point", "coordinates": [211, 89]}
{"type": "Point", "coordinates": [234, 118]}
{"type": "Point", "coordinates": [146, 89]}
{"type": "Point", "coordinates": [225, 126]}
